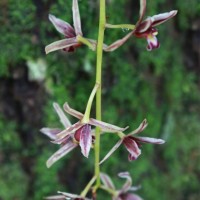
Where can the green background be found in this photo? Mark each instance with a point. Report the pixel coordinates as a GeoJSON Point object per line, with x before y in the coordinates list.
{"type": "Point", "coordinates": [162, 86]}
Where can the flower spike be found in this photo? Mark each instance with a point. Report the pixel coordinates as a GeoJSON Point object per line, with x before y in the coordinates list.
{"type": "Point", "coordinates": [133, 143]}
{"type": "Point", "coordinates": [73, 36]}
{"type": "Point", "coordinates": [144, 28]}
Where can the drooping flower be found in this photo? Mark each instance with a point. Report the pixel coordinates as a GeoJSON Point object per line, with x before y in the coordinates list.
{"type": "Point", "coordinates": [132, 143]}
{"type": "Point", "coordinates": [145, 28]}
{"type": "Point", "coordinates": [124, 192]}
{"type": "Point", "coordinates": [72, 35]}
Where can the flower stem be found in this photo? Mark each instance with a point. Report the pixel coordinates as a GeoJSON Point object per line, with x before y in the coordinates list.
{"type": "Point", "coordinates": [111, 191]}
{"type": "Point", "coordinates": [102, 22]}
{"type": "Point", "coordinates": [86, 42]}
{"type": "Point", "coordinates": [89, 104]}
{"type": "Point", "coordinates": [123, 26]}
{"type": "Point", "coordinates": [88, 186]}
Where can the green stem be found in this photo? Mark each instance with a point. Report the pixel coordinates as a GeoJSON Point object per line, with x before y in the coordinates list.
{"type": "Point", "coordinates": [86, 42]}
{"type": "Point", "coordinates": [111, 191]}
{"type": "Point", "coordinates": [89, 104]}
{"type": "Point", "coordinates": [88, 186]}
{"type": "Point", "coordinates": [123, 26]}
{"type": "Point", "coordinates": [102, 22]}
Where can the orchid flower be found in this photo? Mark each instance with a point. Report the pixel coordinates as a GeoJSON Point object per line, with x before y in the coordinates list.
{"type": "Point", "coordinates": [67, 143]}
{"type": "Point", "coordinates": [123, 193]}
{"type": "Point", "coordinates": [79, 133]}
{"type": "Point", "coordinates": [144, 28]}
{"type": "Point", "coordinates": [81, 130]}
{"type": "Point", "coordinates": [132, 143]}
{"type": "Point", "coordinates": [65, 195]}
{"type": "Point", "coordinates": [73, 36]}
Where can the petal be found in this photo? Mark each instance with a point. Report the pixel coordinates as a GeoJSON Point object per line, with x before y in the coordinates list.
{"type": "Point", "coordinates": [107, 182]}
{"type": "Point", "coordinates": [141, 127]}
{"type": "Point", "coordinates": [135, 188]}
{"type": "Point", "coordinates": [69, 146]}
{"type": "Point", "coordinates": [85, 139]}
{"type": "Point", "coordinates": [56, 197]}
{"type": "Point", "coordinates": [132, 148]}
{"type": "Point", "coordinates": [118, 43]}
{"type": "Point", "coordinates": [149, 140]}
{"type": "Point", "coordinates": [111, 151]}
{"type": "Point", "coordinates": [62, 140]}
{"type": "Point", "coordinates": [143, 26]}
{"type": "Point", "coordinates": [161, 18]}
{"type": "Point", "coordinates": [106, 127]}
{"type": "Point", "coordinates": [61, 44]}
{"type": "Point", "coordinates": [63, 119]}
{"type": "Point", "coordinates": [50, 132]}
{"type": "Point", "coordinates": [152, 42]}
{"type": "Point", "coordinates": [76, 18]}
{"type": "Point", "coordinates": [129, 196]}
{"type": "Point", "coordinates": [72, 112]}
{"type": "Point", "coordinates": [68, 131]}
{"type": "Point", "coordinates": [72, 196]}
{"type": "Point", "coordinates": [62, 26]}
{"type": "Point", "coordinates": [142, 10]}
{"type": "Point", "coordinates": [128, 183]}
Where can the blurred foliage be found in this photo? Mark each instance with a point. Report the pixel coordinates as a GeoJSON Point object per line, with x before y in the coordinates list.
{"type": "Point", "coordinates": [162, 86]}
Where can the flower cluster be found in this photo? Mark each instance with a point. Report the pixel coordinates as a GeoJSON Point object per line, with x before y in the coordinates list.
{"type": "Point", "coordinates": [143, 29]}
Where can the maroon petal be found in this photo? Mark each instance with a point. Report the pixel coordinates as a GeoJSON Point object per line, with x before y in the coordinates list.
{"type": "Point", "coordinates": [62, 141]}
{"type": "Point", "coordinates": [149, 140]}
{"type": "Point", "coordinates": [143, 27]}
{"type": "Point", "coordinates": [161, 18]}
{"type": "Point", "coordinates": [118, 43]}
{"type": "Point", "coordinates": [116, 146]}
{"type": "Point", "coordinates": [132, 148]}
{"type": "Point", "coordinates": [129, 196]}
{"type": "Point", "coordinates": [141, 127]}
{"type": "Point", "coordinates": [50, 132]}
{"type": "Point", "coordinates": [72, 196]}
{"type": "Point", "coordinates": [106, 127]}
{"type": "Point", "coordinates": [61, 44]}
{"type": "Point", "coordinates": [142, 10]}
{"type": "Point", "coordinates": [107, 182]}
{"type": "Point", "coordinates": [85, 139]}
{"type": "Point", "coordinates": [63, 119]}
{"type": "Point", "coordinates": [69, 146]}
{"type": "Point", "coordinates": [128, 183]}
{"type": "Point", "coordinates": [56, 197]}
{"type": "Point", "coordinates": [72, 112]}
{"type": "Point", "coordinates": [62, 26]}
{"type": "Point", "coordinates": [76, 18]}
{"type": "Point", "coordinates": [70, 130]}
